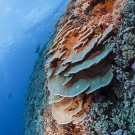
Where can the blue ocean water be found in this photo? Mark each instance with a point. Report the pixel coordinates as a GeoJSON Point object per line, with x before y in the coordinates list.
{"type": "Point", "coordinates": [23, 26]}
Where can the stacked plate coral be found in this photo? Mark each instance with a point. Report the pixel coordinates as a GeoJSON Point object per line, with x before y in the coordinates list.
{"type": "Point", "coordinates": [80, 59]}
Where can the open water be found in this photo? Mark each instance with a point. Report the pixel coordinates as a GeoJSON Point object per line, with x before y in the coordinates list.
{"type": "Point", "coordinates": [25, 26]}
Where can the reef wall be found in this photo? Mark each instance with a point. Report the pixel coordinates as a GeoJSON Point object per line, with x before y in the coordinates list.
{"type": "Point", "coordinates": [36, 99]}
{"type": "Point", "coordinates": [90, 70]}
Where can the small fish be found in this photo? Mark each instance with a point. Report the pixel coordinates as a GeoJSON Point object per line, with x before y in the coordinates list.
{"type": "Point", "coordinates": [9, 95]}
{"type": "Point", "coordinates": [37, 49]}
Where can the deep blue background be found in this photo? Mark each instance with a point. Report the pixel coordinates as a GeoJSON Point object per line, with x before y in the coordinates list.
{"type": "Point", "coordinates": [23, 25]}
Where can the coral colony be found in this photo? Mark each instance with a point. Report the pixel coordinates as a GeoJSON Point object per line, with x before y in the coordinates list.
{"type": "Point", "coordinates": [90, 70]}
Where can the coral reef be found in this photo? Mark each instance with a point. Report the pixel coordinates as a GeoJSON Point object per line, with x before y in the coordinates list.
{"type": "Point", "coordinates": [90, 70]}
{"type": "Point", "coordinates": [78, 57]}
{"type": "Point", "coordinates": [36, 99]}
{"type": "Point", "coordinates": [93, 12]}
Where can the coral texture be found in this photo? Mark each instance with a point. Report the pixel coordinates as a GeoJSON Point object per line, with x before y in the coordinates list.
{"type": "Point", "coordinates": [77, 60]}
{"type": "Point", "coordinates": [90, 69]}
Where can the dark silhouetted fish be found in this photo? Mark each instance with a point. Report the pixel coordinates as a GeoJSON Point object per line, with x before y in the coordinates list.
{"type": "Point", "coordinates": [9, 95]}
